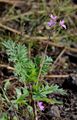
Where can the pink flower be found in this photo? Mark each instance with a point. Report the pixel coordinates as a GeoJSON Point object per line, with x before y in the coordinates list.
{"type": "Point", "coordinates": [40, 105]}
{"type": "Point", "coordinates": [62, 24]}
{"type": "Point", "coordinates": [51, 23]}
{"type": "Point", "coordinates": [53, 17]}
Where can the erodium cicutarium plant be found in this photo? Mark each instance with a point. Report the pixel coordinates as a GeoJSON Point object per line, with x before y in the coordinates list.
{"type": "Point", "coordinates": [34, 92]}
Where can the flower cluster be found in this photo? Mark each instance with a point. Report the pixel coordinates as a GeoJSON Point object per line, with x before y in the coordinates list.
{"type": "Point", "coordinates": [53, 22]}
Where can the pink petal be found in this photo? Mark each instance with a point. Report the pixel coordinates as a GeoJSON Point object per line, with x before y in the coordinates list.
{"type": "Point", "coordinates": [53, 17]}
{"type": "Point", "coordinates": [51, 23]}
{"type": "Point", "coordinates": [61, 22]}
{"type": "Point", "coordinates": [64, 26]}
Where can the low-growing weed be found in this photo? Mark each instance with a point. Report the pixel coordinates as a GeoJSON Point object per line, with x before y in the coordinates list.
{"type": "Point", "coordinates": [35, 90]}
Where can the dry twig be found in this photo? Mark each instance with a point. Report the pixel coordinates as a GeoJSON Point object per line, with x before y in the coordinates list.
{"type": "Point", "coordinates": [6, 66]}
{"type": "Point", "coordinates": [58, 58]}
{"type": "Point", "coordinates": [12, 1]}
{"type": "Point", "coordinates": [60, 76]}
{"type": "Point", "coordinates": [10, 29]}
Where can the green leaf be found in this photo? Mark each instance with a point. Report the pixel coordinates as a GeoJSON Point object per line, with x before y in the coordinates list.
{"type": "Point", "coordinates": [46, 66]}
{"type": "Point", "coordinates": [18, 92]}
{"type": "Point", "coordinates": [25, 92]}
{"type": "Point", "coordinates": [7, 84]}
{"type": "Point", "coordinates": [15, 118]}
{"type": "Point", "coordinates": [30, 109]}
{"type": "Point", "coordinates": [21, 96]}
{"type": "Point", "coordinates": [24, 67]}
{"type": "Point", "coordinates": [52, 89]}
{"type": "Point", "coordinates": [21, 100]}
{"type": "Point", "coordinates": [47, 100]}
{"type": "Point", "coordinates": [42, 92]}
